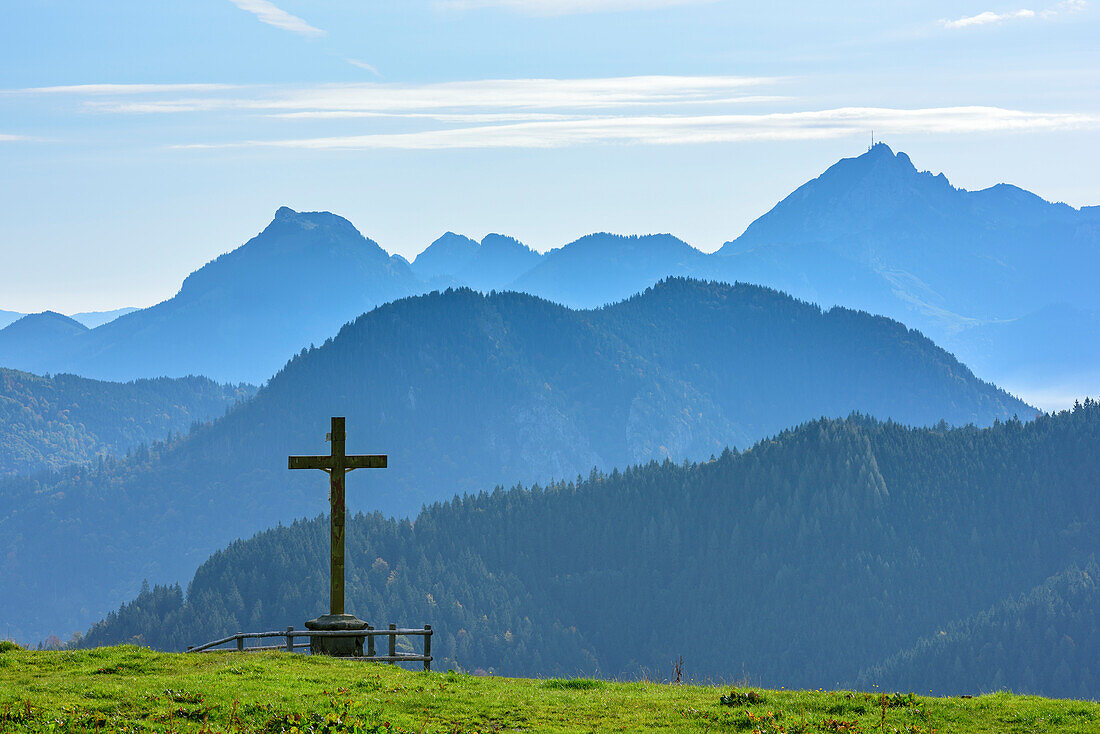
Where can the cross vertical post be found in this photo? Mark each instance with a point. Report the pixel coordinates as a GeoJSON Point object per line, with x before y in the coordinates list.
{"type": "Point", "coordinates": [337, 464]}
{"type": "Point", "coordinates": [336, 518]}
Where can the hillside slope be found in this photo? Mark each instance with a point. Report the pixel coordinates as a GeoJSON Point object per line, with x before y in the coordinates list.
{"type": "Point", "coordinates": [51, 422]}
{"type": "Point", "coordinates": [464, 392]}
{"type": "Point", "coordinates": [1045, 641]}
{"type": "Point", "coordinates": [800, 562]}
{"type": "Point", "coordinates": [118, 688]}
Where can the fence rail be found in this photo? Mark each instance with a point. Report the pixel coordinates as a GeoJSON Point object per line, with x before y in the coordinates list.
{"type": "Point", "coordinates": [370, 633]}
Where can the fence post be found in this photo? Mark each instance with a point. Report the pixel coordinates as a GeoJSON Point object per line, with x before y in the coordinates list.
{"type": "Point", "coordinates": [427, 647]}
{"type": "Point", "coordinates": [289, 639]}
{"type": "Point", "coordinates": [370, 641]}
{"type": "Point", "coordinates": [240, 644]}
{"type": "Point", "coordinates": [393, 644]}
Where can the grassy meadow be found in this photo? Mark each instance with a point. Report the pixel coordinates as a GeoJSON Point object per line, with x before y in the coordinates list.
{"type": "Point", "coordinates": [134, 689]}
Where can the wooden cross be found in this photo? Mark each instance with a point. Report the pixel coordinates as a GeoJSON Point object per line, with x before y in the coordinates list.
{"type": "Point", "coordinates": [337, 464]}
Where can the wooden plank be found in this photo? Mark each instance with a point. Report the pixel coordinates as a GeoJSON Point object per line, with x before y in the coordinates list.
{"type": "Point", "coordinates": [366, 461]}
{"type": "Point", "coordinates": [309, 462]}
{"type": "Point", "coordinates": [368, 632]}
{"type": "Point", "coordinates": [393, 644]}
{"type": "Point", "coordinates": [215, 643]}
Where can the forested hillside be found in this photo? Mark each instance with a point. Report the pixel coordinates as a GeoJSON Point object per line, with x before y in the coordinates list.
{"type": "Point", "coordinates": [814, 555]}
{"type": "Point", "coordinates": [51, 422]}
{"type": "Point", "coordinates": [464, 392]}
{"type": "Point", "coordinates": [1045, 641]}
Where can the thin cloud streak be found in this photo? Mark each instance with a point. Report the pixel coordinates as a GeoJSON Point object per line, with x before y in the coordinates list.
{"type": "Point", "coordinates": [653, 130]}
{"type": "Point", "coordinates": [461, 117]}
{"type": "Point", "coordinates": [507, 116]}
{"type": "Point", "coordinates": [365, 66]}
{"type": "Point", "coordinates": [565, 7]}
{"type": "Point", "coordinates": [504, 94]}
{"type": "Point", "coordinates": [6, 138]}
{"type": "Point", "coordinates": [267, 12]}
{"type": "Point", "coordinates": [122, 89]}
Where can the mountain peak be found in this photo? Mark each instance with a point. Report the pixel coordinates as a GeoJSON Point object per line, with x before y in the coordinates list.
{"type": "Point", "coordinates": [446, 256]}
{"type": "Point", "coordinates": [294, 247]}
{"type": "Point", "coordinates": [880, 154]}
{"type": "Point", "coordinates": [285, 217]}
{"type": "Point", "coordinates": [24, 342]}
{"type": "Point", "coordinates": [49, 320]}
{"type": "Point", "coordinates": [852, 195]}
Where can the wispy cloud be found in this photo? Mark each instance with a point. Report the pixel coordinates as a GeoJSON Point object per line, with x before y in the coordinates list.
{"type": "Point", "coordinates": [122, 89]}
{"type": "Point", "coordinates": [268, 13]}
{"type": "Point", "coordinates": [350, 100]}
{"type": "Point", "coordinates": [543, 113]}
{"type": "Point", "coordinates": [991, 18]}
{"type": "Point", "coordinates": [565, 7]}
{"type": "Point", "coordinates": [674, 130]}
{"type": "Point", "coordinates": [987, 18]}
{"type": "Point", "coordinates": [364, 65]}
{"type": "Point", "coordinates": [6, 138]}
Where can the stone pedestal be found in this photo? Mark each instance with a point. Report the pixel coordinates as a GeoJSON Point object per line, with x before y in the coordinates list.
{"type": "Point", "coordinates": [341, 647]}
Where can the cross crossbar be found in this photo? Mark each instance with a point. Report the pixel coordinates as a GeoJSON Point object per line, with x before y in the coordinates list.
{"type": "Point", "coordinates": [324, 463]}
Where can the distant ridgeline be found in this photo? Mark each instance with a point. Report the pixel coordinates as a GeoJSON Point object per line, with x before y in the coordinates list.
{"type": "Point", "coordinates": [999, 276]}
{"type": "Point", "coordinates": [806, 561]}
{"type": "Point", "coordinates": [51, 422]}
{"type": "Point", "coordinates": [464, 392]}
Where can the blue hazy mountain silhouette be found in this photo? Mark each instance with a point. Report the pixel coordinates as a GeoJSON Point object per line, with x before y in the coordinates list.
{"type": "Point", "coordinates": [873, 232]}
{"type": "Point", "coordinates": [446, 257]}
{"type": "Point", "coordinates": [951, 254]}
{"type": "Point", "coordinates": [979, 272]}
{"type": "Point", "coordinates": [491, 264]}
{"type": "Point", "coordinates": [38, 337]}
{"type": "Point", "coordinates": [91, 319]}
{"type": "Point", "coordinates": [9, 317]}
{"type": "Point", "coordinates": [241, 316]}
{"type": "Point", "coordinates": [603, 268]}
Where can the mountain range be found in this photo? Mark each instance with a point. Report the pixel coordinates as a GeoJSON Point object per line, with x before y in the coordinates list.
{"type": "Point", "coordinates": [238, 318]}
{"type": "Point", "coordinates": [841, 551]}
{"type": "Point", "coordinates": [999, 276]}
{"type": "Point", "coordinates": [90, 319]}
{"type": "Point", "coordinates": [465, 392]}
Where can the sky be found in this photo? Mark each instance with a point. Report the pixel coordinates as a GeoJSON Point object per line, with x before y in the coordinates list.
{"type": "Point", "coordinates": [139, 140]}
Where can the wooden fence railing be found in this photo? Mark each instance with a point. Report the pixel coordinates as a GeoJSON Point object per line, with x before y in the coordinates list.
{"type": "Point", "coordinates": [370, 633]}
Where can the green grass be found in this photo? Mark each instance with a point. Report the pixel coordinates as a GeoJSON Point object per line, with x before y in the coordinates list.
{"type": "Point", "coordinates": [133, 689]}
